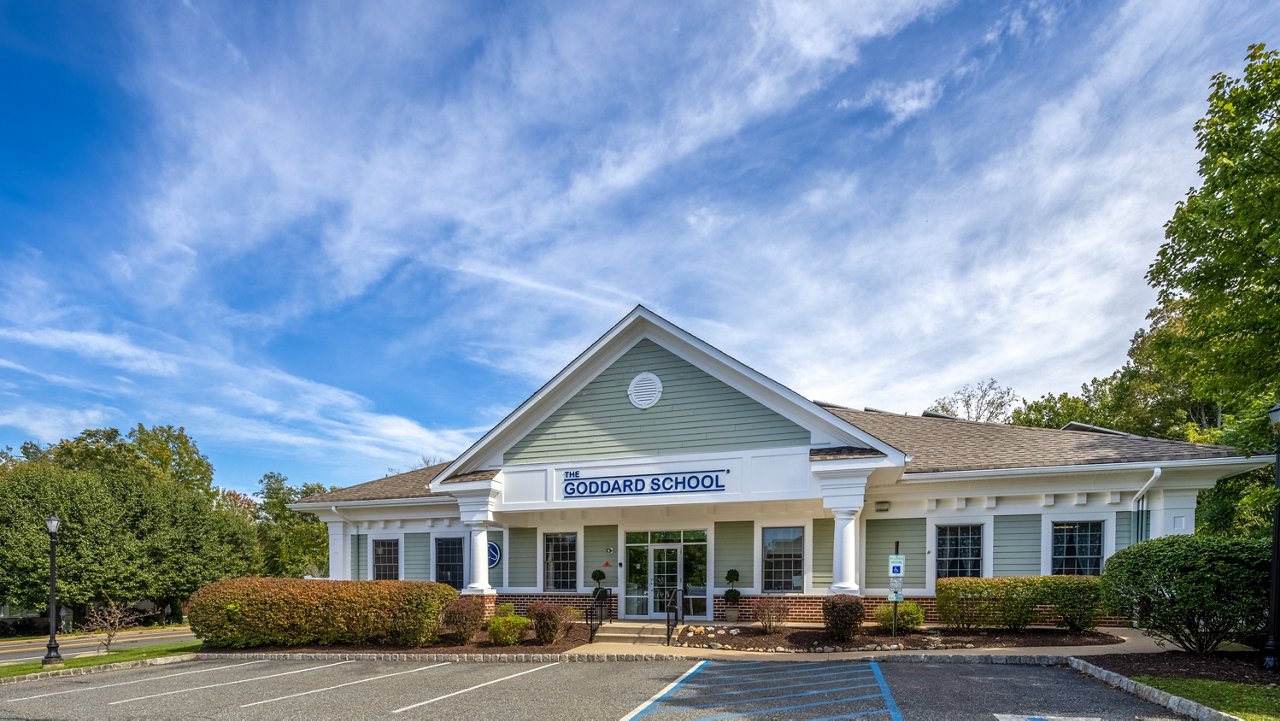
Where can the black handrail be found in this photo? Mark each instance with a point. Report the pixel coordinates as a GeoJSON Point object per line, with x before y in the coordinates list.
{"type": "Point", "coordinates": [599, 612]}
{"type": "Point", "coordinates": [675, 615]}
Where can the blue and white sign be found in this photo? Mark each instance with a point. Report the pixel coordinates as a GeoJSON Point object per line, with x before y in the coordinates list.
{"type": "Point", "coordinates": [495, 554]}
{"type": "Point", "coordinates": [575, 486]}
{"type": "Point", "coordinates": [897, 563]}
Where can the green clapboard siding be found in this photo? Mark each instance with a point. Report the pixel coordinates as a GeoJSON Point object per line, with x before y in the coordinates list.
{"type": "Point", "coordinates": [596, 540]}
{"type": "Point", "coordinates": [417, 556]}
{"type": "Point", "coordinates": [824, 537]}
{"type": "Point", "coordinates": [495, 573]}
{"type": "Point", "coordinates": [735, 548]}
{"type": "Point", "coordinates": [359, 557]}
{"type": "Point", "coordinates": [523, 557]}
{"type": "Point", "coordinates": [1124, 529]}
{"type": "Point", "coordinates": [696, 413]}
{"type": "Point", "coordinates": [881, 535]}
{"type": "Point", "coordinates": [1016, 546]}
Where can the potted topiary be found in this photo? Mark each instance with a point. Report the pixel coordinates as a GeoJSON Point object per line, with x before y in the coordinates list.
{"type": "Point", "coordinates": [732, 596]}
{"type": "Point", "coordinates": [597, 576]}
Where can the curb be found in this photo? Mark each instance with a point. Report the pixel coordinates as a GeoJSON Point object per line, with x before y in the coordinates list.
{"type": "Point", "coordinates": [996, 659]}
{"type": "Point", "coordinates": [64, 672]}
{"type": "Point", "coordinates": [1177, 704]}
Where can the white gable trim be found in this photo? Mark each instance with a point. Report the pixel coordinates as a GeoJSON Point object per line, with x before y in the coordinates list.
{"type": "Point", "coordinates": [643, 323]}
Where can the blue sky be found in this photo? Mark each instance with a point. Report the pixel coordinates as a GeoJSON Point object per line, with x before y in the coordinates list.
{"type": "Point", "coordinates": [332, 238]}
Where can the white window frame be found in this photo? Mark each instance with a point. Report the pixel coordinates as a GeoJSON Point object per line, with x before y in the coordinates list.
{"type": "Point", "coordinates": [806, 586]}
{"type": "Point", "coordinates": [1108, 519]}
{"type": "Point", "coordinates": [579, 559]}
{"type": "Point", "coordinates": [370, 537]}
{"type": "Point", "coordinates": [466, 556]}
{"type": "Point", "coordinates": [987, 521]}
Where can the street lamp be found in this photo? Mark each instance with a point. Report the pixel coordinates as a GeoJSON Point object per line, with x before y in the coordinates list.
{"type": "Point", "coordinates": [1269, 660]}
{"type": "Point", "coordinates": [52, 657]}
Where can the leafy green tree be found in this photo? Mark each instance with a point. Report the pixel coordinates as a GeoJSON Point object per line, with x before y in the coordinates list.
{"type": "Point", "coordinates": [1217, 273]}
{"type": "Point", "coordinates": [293, 543]}
{"type": "Point", "coordinates": [174, 452]}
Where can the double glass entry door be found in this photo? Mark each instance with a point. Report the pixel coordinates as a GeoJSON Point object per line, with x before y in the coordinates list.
{"type": "Point", "coordinates": [655, 570]}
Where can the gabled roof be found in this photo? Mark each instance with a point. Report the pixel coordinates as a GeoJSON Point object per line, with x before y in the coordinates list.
{"type": "Point", "coordinates": [644, 323]}
{"type": "Point", "coordinates": [412, 484]}
{"type": "Point", "coordinates": [937, 445]}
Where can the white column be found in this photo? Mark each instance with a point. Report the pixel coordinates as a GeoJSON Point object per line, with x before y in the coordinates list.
{"type": "Point", "coordinates": [844, 561]}
{"type": "Point", "coordinates": [479, 559]}
{"type": "Point", "coordinates": [339, 544]}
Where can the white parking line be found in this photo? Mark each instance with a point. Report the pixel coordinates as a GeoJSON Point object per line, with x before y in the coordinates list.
{"type": "Point", "coordinates": [349, 683]}
{"type": "Point", "coordinates": [126, 683]}
{"type": "Point", "coordinates": [643, 708]}
{"type": "Point", "coordinates": [227, 683]}
{"type": "Point", "coordinates": [473, 688]}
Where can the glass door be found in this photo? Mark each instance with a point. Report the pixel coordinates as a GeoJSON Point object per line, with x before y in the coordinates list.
{"type": "Point", "coordinates": [637, 588]}
{"type": "Point", "coordinates": [665, 576]}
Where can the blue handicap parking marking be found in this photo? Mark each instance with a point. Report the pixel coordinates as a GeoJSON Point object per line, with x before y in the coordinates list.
{"type": "Point", "coordinates": [793, 690]}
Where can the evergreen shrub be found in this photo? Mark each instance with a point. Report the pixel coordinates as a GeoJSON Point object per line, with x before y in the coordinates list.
{"type": "Point", "coordinates": [465, 616]}
{"type": "Point", "coordinates": [247, 612]}
{"type": "Point", "coordinates": [507, 630]}
{"type": "Point", "coordinates": [1195, 592]}
{"type": "Point", "coordinates": [842, 615]}
{"type": "Point", "coordinates": [910, 616]}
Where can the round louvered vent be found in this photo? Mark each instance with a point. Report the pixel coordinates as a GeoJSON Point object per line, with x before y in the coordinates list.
{"type": "Point", "coordinates": [645, 390]}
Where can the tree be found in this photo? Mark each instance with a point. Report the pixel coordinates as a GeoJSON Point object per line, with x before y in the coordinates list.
{"type": "Point", "coordinates": [293, 543]}
{"type": "Point", "coordinates": [1218, 272]}
{"type": "Point", "coordinates": [174, 452]}
{"type": "Point", "coordinates": [987, 401]}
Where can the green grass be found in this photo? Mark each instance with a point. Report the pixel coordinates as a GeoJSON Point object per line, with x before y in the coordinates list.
{"type": "Point", "coordinates": [130, 654]}
{"type": "Point", "coordinates": [1248, 701]}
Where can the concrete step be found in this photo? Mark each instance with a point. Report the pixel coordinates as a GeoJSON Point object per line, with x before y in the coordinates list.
{"type": "Point", "coordinates": [633, 633]}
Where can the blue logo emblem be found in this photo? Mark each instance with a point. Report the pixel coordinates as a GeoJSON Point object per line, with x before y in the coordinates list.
{"type": "Point", "coordinates": [495, 554]}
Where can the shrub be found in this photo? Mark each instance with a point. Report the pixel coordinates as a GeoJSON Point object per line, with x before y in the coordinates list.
{"type": "Point", "coordinates": [1192, 591]}
{"type": "Point", "coordinates": [245, 612]}
{"type": "Point", "coordinates": [465, 615]}
{"type": "Point", "coordinates": [842, 615]}
{"type": "Point", "coordinates": [507, 630]}
{"type": "Point", "coordinates": [910, 616]}
{"type": "Point", "coordinates": [552, 621]}
{"type": "Point", "coordinates": [1014, 601]}
{"type": "Point", "coordinates": [771, 612]}
{"type": "Point", "coordinates": [964, 603]}
{"type": "Point", "coordinates": [504, 609]}
{"type": "Point", "coordinates": [1077, 600]}
{"type": "Point", "coordinates": [732, 596]}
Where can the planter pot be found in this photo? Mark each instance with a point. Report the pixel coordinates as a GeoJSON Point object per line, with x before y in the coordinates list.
{"type": "Point", "coordinates": [731, 614]}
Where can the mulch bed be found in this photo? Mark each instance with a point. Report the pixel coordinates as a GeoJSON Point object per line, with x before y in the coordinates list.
{"type": "Point", "coordinates": [753, 638]}
{"type": "Point", "coordinates": [576, 636]}
{"type": "Point", "coordinates": [1237, 666]}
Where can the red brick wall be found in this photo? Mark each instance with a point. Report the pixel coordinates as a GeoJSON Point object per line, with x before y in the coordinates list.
{"type": "Point", "coordinates": [580, 601]}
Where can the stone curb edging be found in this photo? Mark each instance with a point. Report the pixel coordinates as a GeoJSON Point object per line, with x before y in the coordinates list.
{"type": "Point", "coordinates": [64, 672]}
{"type": "Point", "coordinates": [1000, 659]}
{"type": "Point", "coordinates": [1177, 704]}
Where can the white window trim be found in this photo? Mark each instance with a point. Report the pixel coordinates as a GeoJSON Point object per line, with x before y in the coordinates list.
{"type": "Point", "coordinates": [466, 556]}
{"type": "Point", "coordinates": [1047, 520]}
{"type": "Point", "coordinates": [931, 547]}
{"type": "Point", "coordinates": [579, 558]}
{"type": "Point", "coordinates": [370, 538]}
{"type": "Point", "coordinates": [806, 586]}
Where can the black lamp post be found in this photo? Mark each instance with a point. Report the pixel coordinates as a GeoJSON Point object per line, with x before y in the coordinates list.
{"type": "Point", "coordinates": [1269, 648]}
{"type": "Point", "coordinates": [52, 657]}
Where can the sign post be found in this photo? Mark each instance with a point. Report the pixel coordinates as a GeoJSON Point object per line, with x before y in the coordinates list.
{"type": "Point", "coordinates": [897, 569]}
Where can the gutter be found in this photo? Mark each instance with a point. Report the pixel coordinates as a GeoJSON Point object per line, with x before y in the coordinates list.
{"type": "Point", "coordinates": [1155, 476]}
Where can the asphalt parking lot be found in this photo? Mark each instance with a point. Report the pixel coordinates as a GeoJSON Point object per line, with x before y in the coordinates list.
{"type": "Point", "coordinates": [663, 691]}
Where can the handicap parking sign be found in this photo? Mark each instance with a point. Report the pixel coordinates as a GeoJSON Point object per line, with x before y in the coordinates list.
{"type": "Point", "coordinates": [896, 564]}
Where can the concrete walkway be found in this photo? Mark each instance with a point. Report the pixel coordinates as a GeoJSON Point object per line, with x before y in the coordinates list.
{"type": "Point", "coordinates": [1134, 642]}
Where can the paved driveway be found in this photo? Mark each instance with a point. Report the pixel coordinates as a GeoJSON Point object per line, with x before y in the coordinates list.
{"type": "Point", "coordinates": [664, 691]}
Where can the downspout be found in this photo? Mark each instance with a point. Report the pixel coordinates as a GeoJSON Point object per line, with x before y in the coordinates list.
{"type": "Point", "coordinates": [1137, 529]}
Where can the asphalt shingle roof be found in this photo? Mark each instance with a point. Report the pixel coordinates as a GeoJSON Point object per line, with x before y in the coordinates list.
{"type": "Point", "coordinates": [943, 444]}
{"type": "Point", "coordinates": [412, 484]}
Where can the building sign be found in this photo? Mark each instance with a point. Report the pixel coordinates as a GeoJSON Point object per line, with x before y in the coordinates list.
{"type": "Point", "coordinates": [657, 484]}
{"type": "Point", "coordinates": [495, 554]}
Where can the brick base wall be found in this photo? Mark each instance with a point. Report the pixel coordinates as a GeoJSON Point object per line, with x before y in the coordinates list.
{"type": "Point", "coordinates": [800, 609]}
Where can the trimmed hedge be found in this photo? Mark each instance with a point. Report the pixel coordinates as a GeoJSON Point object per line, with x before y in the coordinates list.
{"type": "Point", "coordinates": [1193, 591]}
{"type": "Point", "coordinates": [246, 612]}
{"type": "Point", "coordinates": [465, 617]}
{"type": "Point", "coordinates": [967, 603]}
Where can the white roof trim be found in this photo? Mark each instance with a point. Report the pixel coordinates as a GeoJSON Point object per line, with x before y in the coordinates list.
{"type": "Point", "coordinates": [412, 501]}
{"type": "Point", "coordinates": [1255, 461]}
{"type": "Point", "coordinates": [642, 322]}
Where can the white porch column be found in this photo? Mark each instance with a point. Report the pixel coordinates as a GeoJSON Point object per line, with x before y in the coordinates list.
{"type": "Point", "coordinates": [479, 558]}
{"type": "Point", "coordinates": [844, 562]}
{"type": "Point", "coordinates": [339, 544]}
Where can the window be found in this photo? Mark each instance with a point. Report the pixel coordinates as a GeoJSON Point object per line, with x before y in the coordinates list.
{"type": "Point", "coordinates": [959, 551]}
{"type": "Point", "coordinates": [783, 559]}
{"type": "Point", "coordinates": [449, 561]}
{"type": "Point", "coordinates": [1077, 548]}
{"type": "Point", "coordinates": [386, 560]}
{"type": "Point", "coordinates": [560, 563]}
